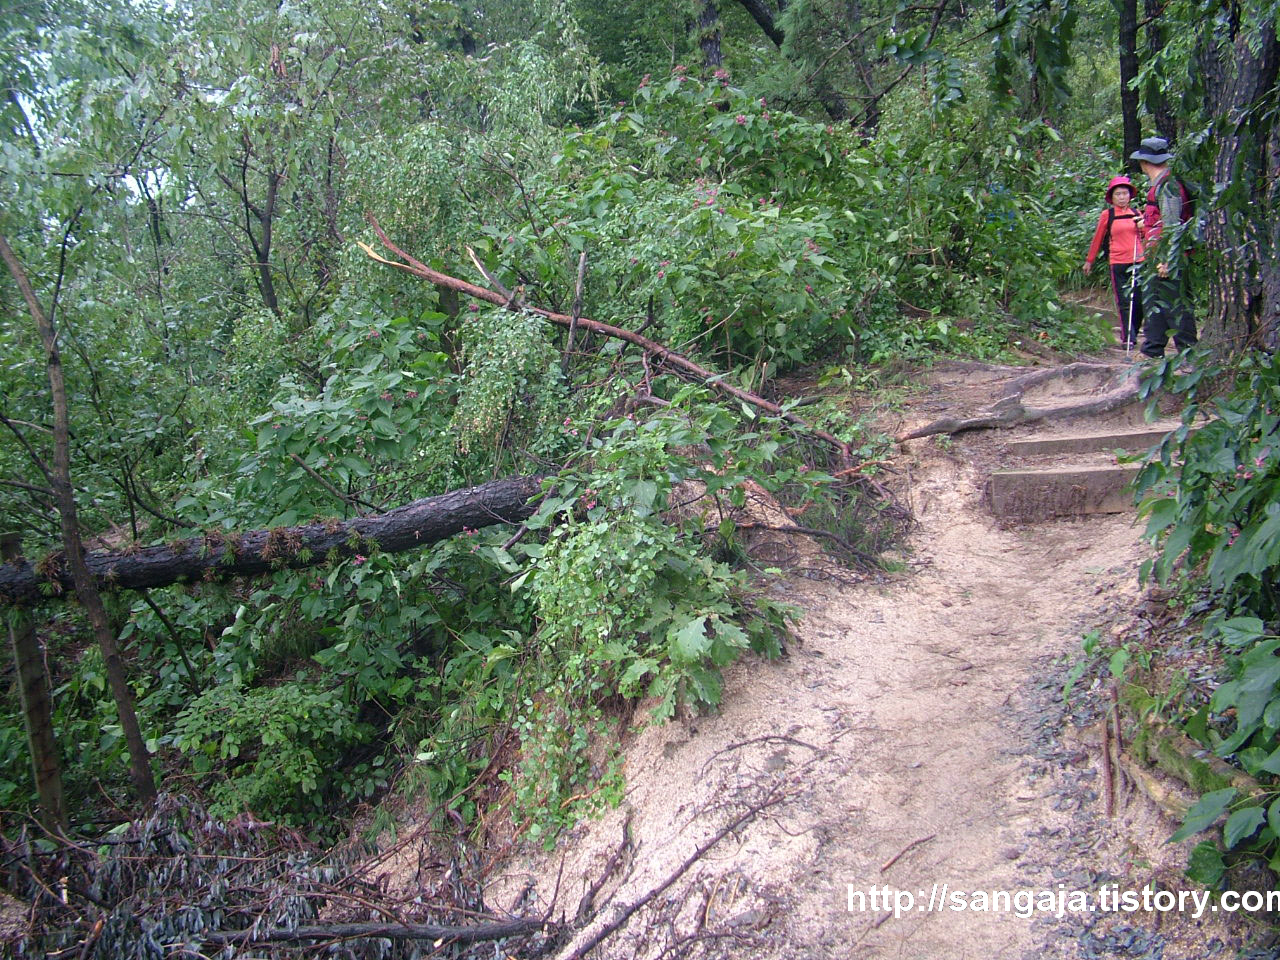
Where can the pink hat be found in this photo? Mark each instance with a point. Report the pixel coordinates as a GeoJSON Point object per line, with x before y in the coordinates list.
{"type": "Point", "coordinates": [1120, 181]}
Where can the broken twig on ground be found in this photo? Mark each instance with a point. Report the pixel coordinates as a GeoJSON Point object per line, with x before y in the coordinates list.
{"type": "Point", "coordinates": [772, 798]}
{"type": "Point", "coordinates": [901, 853]}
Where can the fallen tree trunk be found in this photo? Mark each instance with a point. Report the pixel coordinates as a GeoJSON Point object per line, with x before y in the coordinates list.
{"type": "Point", "coordinates": [223, 556]}
{"type": "Point", "coordinates": [675, 361]}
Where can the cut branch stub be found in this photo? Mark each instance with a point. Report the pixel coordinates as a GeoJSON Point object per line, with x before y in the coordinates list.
{"type": "Point", "coordinates": [223, 556]}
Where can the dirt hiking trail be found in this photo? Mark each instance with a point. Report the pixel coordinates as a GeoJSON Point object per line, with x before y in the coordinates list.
{"type": "Point", "coordinates": [915, 736]}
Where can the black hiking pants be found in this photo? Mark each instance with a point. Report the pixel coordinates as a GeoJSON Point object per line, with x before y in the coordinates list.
{"type": "Point", "coordinates": [1128, 301]}
{"type": "Point", "coordinates": [1168, 301]}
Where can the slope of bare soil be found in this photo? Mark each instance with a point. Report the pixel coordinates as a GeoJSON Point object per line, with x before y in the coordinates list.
{"type": "Point", "coordinates": [914, 737]}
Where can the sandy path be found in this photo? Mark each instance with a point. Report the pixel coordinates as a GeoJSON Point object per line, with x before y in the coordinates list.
{"type": "Point", "coordinates": [901, 715]}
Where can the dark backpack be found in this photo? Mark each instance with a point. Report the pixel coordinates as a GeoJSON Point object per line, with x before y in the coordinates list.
{"type": "Point", "coordinates": [1104, 250]}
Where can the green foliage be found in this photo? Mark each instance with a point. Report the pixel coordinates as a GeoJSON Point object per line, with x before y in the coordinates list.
{"type": "Point", "coordinates": [1210, 494]}
{"type": "Point", "coordinates": [756, 237]}
{"type": "Point", "coordinates": [628, 602]}
{"type": "Point", "coordinates": [1033, 51]}
{"type": "Point", "coordinates": [511, 374]}
{"type": "Point", "coordinates": [187, 183]}
{"type": "Point", "coordinates": [268, 744]}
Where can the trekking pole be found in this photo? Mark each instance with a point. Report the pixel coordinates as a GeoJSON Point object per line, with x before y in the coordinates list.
{"type": "Point", "coordinates": [1129, 334]}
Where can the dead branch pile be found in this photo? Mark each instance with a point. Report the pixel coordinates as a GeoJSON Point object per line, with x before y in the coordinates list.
{"type": "Point", "coordinates": [179, 883]}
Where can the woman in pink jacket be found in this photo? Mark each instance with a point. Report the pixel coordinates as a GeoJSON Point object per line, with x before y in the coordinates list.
{"type": "Point", "coordinates": [1122, 233]}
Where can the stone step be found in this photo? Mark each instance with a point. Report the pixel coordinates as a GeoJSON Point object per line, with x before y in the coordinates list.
{"type": "Point", "coordinates": [1130, 441]}
{"type": "Point", "coordinates": [1070, 491]}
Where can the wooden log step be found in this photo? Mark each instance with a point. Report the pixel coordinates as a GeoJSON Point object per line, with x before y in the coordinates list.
{"type": "Point", "coordinates": [1062, 492]}
{"type": "Point", "coordinates": [1130, 441]}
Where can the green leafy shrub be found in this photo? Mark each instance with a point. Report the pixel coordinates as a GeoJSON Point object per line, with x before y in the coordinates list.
{"type": "Point", "coordinates": [274, 744]}
{"type": "Point", "coordinates": [1211, 494]}
{"type": "Point", "coordinates": [628, 603]}
{"type": "Point", "coordinates": [511, 374]}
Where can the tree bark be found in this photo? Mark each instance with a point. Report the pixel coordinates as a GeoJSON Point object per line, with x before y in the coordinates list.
{"type": "Point", "coordinates": [37, 708]}
{"type": "Point", "coordinates": [709, 36]}
{"type": "Point", "coordinates": [224, 556]}
{"type": "Point", "coordinates": [1157, 103]}
{"type": "Point", "coordinates": [763, 16]}
{"type": "Point", "coordinates": [85, 586]}
{"type": "Point", "coordinates": [1240, 69]}
{"type": "Point", "coordinates": [1128, 42]}
{"type": "Point", "coordinates": [1270, 335]}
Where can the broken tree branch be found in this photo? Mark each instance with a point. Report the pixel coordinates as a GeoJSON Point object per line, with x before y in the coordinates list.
{"type": "Point", "coordinates": [812, 532]}
{"type": "Point", "coordinates": [587, 905]}
{"type": "Point", "coordinates": [577, 313]}
{"type": "Point", "coordinates": [676, 362]}
{"type": "Point", "coordinates": [901, 853]}
{"type": "Point", "coordinates": [349, 500]}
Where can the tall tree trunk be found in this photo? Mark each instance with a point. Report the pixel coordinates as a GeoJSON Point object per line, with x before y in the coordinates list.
{"type": "Point", "coordinates": [709, 36]}
{"type": "Point", "coordinates": [1240, 69]}
{"type": "Point", "coordinates": [262, 246]}
{"type": "Point", "coordinates": [1166, 120]}
{"type": "Point", "coordinates": [1128, 37]}
{"type": "Point", "coordinates": [37, 707]}
{"type": "Point", "coordinates": [1271, 263]}
{"type": "Point", "coordinates": [86, 589]}
{"type": "Point", "coordinates": [763, 16]}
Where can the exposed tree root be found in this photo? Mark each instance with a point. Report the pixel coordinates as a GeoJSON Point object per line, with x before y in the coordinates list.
{"type": "Point", "coordinates": [1011, 409]}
